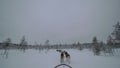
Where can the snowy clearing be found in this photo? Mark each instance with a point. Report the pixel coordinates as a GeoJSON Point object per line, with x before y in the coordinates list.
{"type": "Point", "coordinates": [51, 58]}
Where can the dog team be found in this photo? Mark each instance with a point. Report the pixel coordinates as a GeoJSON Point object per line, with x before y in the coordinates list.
{"type": "Point", "coordinates": [64, 56]}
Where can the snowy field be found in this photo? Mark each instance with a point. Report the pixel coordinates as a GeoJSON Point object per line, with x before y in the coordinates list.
{"type": "Point", "coordinates": [51, 58]}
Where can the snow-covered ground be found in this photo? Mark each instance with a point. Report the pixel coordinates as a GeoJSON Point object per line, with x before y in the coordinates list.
{"type": "Point", "coordinates": [51, 58]}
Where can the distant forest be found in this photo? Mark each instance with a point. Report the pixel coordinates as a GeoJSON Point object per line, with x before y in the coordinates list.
{"type": "Point", "coordinates": [113, 42]}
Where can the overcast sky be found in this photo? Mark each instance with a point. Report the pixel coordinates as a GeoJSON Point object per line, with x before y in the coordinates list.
{"type": "Point", "coordinates": [60, 21]}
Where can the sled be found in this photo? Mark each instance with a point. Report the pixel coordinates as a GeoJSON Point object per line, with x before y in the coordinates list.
{"type": "Point", "coordinates": [62, 65]}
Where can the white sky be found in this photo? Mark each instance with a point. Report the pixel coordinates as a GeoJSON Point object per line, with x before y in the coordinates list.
{"type": "Point", "coordinates": [60, 21]}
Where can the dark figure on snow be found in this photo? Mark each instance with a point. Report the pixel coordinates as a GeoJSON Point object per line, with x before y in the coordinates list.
{"type": "Point", "coordinates": [67, 55]}
{"type": "Point", "coordinates": [64, 56]}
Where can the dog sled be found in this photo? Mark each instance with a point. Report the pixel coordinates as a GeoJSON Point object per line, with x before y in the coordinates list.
{"type": "Point", "coordinates": [63, 65]}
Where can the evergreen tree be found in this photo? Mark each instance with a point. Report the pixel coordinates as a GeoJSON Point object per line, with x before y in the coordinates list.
{"type": "Point", "coordinates": [95, 41]}
{"type": "Point", "coordinates": [109, 41]}
{"type": "Point", "coordinates": [96, 47]}
{"type": "Point", "coordinates": [7, 42]}
{"type": "Point", "coordinates": [23, 41]}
